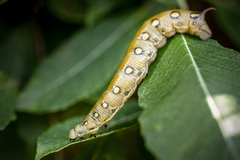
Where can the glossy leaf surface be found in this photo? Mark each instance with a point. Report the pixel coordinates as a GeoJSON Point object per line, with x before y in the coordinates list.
{"type": "Point", "coordinates": [191, 101]}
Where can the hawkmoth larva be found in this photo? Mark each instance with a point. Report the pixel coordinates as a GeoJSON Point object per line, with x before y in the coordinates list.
{"type": "Point", "coordinates": [134, 67]}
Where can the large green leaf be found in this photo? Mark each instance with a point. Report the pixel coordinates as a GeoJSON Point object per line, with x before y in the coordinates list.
{"type": "Point", "coordinates": [8, 92]}
{"type": "Point", "coordinates": [70, 11]}
{"type": "Point", "coordinates": [3, 1]}
{"type": "Point", "coordinates": [56, 137]}
{"type": "Point", "coordinates": [170, 3]}
{"type": "Point", "coordinates": [83, 64]}
{"type": "Point", "coordinates": [17, 51]}
{"type": "Point", "coordinates": [97, 9]}
{"type": "Point", "coordinates": [191, 101]}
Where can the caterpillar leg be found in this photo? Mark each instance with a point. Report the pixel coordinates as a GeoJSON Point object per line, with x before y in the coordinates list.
{"type": "Point", "coordinates": [81, 138]}
{"type": "Point", "coordinates": [105, 127]}
{"type": "Point", "coordinates": [72, 140]}
{"type": "Point", "coordinates": [95, 135]}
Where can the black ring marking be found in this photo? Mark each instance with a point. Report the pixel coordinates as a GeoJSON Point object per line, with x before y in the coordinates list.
{"type": "Point", "coordinates": [172, 14]}
{"type": "Point", "coordinates": [85, 123]}
{"type": "Point", "coordinates": [194, 23]}
{"type": "Point", "coordinates": [113, 90]}
{"type": "Point", "coordinates": [137, 49]}
{"type": "Point", "coordinates": [155, 23]}
{"type": "Point", "coordinates": [125, 70]}
{"type": "Point", "coordinates": [104, 102]}
{"type": "Point", "coordinates": [193, 15]}
{"type": "Point", "coordinates": [147, 37]}
{"type": "Point", "coordinates": [95, 114]}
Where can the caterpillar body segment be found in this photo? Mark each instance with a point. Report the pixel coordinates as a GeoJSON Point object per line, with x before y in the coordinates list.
{"type": "Point", "coordinates": [141, 53]}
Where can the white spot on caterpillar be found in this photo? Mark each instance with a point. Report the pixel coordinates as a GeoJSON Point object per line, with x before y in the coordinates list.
{"type": "Point", "coordinates": [128, 70]}
{"type": "Point", "coordinates": [155, 22]}
{"type": "Point", "coordinates": [116, 90]}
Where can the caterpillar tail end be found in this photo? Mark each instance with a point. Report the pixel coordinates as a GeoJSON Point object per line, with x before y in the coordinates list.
{"type": "Point", "coordinates": [208, 9]}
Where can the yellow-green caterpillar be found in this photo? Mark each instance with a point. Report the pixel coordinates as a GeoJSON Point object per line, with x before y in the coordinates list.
{"type": "Point", "coordinates": [134, 67]}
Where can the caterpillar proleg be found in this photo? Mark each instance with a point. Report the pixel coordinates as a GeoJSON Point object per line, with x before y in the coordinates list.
{"type": "Point", "coordinates": [141, 53]}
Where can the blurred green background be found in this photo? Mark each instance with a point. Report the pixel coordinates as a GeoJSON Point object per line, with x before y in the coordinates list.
{"type": "Point", "coordinates": [33, 32]}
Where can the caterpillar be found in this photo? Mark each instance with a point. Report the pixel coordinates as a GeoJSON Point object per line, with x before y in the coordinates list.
{"type": "Point", "coordinates": [134, 67]}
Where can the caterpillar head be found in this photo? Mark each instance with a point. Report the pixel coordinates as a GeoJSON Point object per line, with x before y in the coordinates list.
{"type": "Point", "coordinates": [76, 133]}
{"type": "Point", "coordinates": [199, 26]}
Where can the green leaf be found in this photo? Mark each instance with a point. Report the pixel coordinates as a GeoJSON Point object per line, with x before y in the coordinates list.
{"type": "Point", "coordinates": [29, 127]}
{"type": "Point", "coordinates": [8, 91]}
{"type": "Point", "coordinates": [105, 148]}
{"type": "Point", "coordinates": [191, 101]}
{"type": "Point", "coordinates": [17, 51]}
{"type": "Point", "coordinates": [169, 3]}
{"type": "Point", "coordinates": [56, 137]}
{"type": "Point", "coordinates": [70, 11]}
{"type": "Point", "coordinates": [97, 9]}
{"type": "Point", "coordinates": [3, 1]}
{"type": "Point", "coordinates": [83, 64]}
{"type": "Point", "coordinates": [116, 152]}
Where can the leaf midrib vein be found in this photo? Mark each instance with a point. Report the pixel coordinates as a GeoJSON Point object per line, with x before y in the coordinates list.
{"type": "Point", "coordinates": [212, 105]}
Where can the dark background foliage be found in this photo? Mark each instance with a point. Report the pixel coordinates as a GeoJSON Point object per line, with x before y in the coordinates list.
{"type": "Point", "coordinates": [33, 32]}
